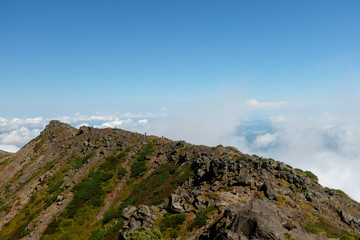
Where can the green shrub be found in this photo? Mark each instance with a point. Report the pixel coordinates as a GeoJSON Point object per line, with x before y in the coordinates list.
{"type": "Point", "coordinates": [158, 201]}
{"type": "Point", "coordinates": [311, 176]}
{"type": "Point", "coordinates": [172, 221]}
{"type": "Point", "coordinates": [23, 234]}
{"type": "Point", "coordinates": [160, 170]}
{"type": "Point", "coordinates": [109, 215]}
{"type": "Point", "coordinates": [241, 158]}
{"type": "Point", "coordinates": [97, 200]}
{"type": "Point", "coordinates": [97, 234]}
{"type": "Point", "coordinates": [325, 226]}
{"type": "Point", "coordinates": [200, 220]}
{"type": "Point", "coordinates": [313, 228]}
{"type": "Point", "coordinates": [173, 169]}
{"type": "Point", "coordinates": [52, 228]}
{"type": "Point", "coordinates": [50, 201]}
{"type": "Point", "coordinates": [211, 208]}
{"type": "Point", "coordinates": [7, 187]}
{"type": "Point", "coordinates": [138, 168]}
{"type": "Point", "coordinates": [174, 233]}
{"type": "Point", "coordinates": [340, 193]}
{"type": "Point", "coordinates": [146, 150]}
{"type": "Point", "coordinates": [5, 208]}
{"type": "Point", "coordinates": [88, 188]}
{"type": "Point", "coordinates": [73, 207]}
{"type": "Point", "coordinates": [121, 173]}
{"type": "Point", "coordinates": [56, 186]}
{"type": "Point", "coordinates": [162, 179]}
{"type": "Point", "coordinates": [139, 235]}
{"type": "Point", "coordinates": [103, 176]}
{"type": "Point", "coordinates": [79, 161]}
{"type": "Point", "coordinates": [112, 162]}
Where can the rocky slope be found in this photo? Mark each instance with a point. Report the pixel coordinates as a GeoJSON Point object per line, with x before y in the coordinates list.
{"type": "Point", "coordinates": [93, 183]}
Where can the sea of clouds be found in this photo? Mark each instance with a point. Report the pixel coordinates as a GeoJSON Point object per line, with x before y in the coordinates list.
{"type": "Point", "coordinates": [326, 144]}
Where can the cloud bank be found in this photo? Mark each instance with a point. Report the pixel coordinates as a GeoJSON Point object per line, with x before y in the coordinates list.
{"type": "Point", "coordinates": [326, 144]}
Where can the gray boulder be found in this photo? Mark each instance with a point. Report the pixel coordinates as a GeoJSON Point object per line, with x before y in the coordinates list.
{"type": "Point", "coordinates": [259, 219]}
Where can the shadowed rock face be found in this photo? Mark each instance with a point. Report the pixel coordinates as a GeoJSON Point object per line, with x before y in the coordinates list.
{"type": "Point", "coordinates": [115, 184]}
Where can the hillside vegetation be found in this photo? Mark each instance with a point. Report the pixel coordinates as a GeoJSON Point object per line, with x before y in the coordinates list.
{"type": "Point", "coordinates": [100, 184]}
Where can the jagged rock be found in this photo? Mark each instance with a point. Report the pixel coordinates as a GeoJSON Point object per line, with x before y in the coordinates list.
{"type": "Point", "coordinates": [38, 188]}
{"type": "Point", "coordinates": [175, 204]}
{"type": "Point", "coordinates": [142, 216]}
{"type": "Point", "coordinates": [128, 211]}
{"type": "Point", "coordinates": [259, 219]}
{"type": "Point", "coordinates": [269, 191]}
{"type": "Point", "coordinates": [348, 218]}
{"type": "Point", "coordinates": [226, 234]}
{"type": "Point", "coordinates": [243, 177]}
{"type": "Point", "coordinates": [309, 197]}
{"type": "Point", "coordinates": [289, 225]}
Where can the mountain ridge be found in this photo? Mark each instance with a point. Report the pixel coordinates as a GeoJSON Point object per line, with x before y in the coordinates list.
{"type": "Point", "coordinates": [90, 183]}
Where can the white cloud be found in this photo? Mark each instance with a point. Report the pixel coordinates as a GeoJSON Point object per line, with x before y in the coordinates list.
{"type": "Point", "coordinates": [83, 124]}
{"type": "Point", "coordinates": [9, 148]}
{"type": "Point", "coordinates": [325, 144]}
{"type": "Point", "coordinates": [254, 104]}
{"type": "Point", "coordinates": [143, 122]}
{"type": "Point", "coordinates": [115, 124]}
{"type": "Point", "coordinates": [264, 140]}
{"type": "Point", "coordinates": [164, 109]}
{"type": "Point", "coordinates": [18, 136]}
{"type": "Point", "coordinates": [7, 124]}
{"type": "Point", "coordinates": [137, 115]}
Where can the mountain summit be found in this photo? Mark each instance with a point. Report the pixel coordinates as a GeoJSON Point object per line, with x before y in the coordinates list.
{"type": "Point", "coordinates": [91, 183]}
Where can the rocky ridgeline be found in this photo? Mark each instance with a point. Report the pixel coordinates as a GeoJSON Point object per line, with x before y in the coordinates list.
{"type": "Point", "coordinates": [92, 183]}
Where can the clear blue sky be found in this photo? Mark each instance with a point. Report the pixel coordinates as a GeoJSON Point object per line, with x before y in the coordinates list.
{"type": "Point", "coordinates": [62, 57]}
{"type": "Point", "coordinates": [276, 78]}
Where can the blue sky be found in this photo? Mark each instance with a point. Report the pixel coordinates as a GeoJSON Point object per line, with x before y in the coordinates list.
{"type": "Point", "coordinates": [122, 54]}
{"type": "Point", "coordinates": [276, 78]}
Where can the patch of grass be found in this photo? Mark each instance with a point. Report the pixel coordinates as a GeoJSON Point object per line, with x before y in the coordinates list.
{"type": "Point", "coordinates": [340, 193]}
{"type": "Point", "coordinates": [40, 143]}
{"type": "Point", "coordinates": [56, 186]}
{"type": "Point", "coordinates": [240, 158]}
{"type": "Point", "coordinates": [201, 217]}
{"type": "Point", "coordinates": [311, 176]}
{"type": "Point", "coordinates": [89, 190]}
{"type": "Point", "coordinates": [112, 162]}
{"type": "Point", "coordinates": [200, 220]}
{"type": "Point", "coordinates": [53, 227]}
{"type": "Point", "coordinates": [79, 161]}
{"type": "Point", "coordinates": [287, 236]}
{"type": "Point", "coordinates": [50, 201]}
{"type": "Point", "coordinates": [313, 228]}
{"type": "Point", "coordinates": [138, 168]}
{"type": "Point", "coordinates": [4, 163]}
{"type": "Point", "coordinates": [150, 235]}
{"type": "Point", "coordinates": [158, 201]}
{"type": "Point", "coordinates": [121, 173]}
{"type": "Point", "coordinates": [5, 208]}
{"type": "Point", "coordinates": [172, 221]}
{"type": "Point", "coordinates": [162, 179]}
{"type": "Point", "coordinates": [325, 226]}
{"type": "Point", "coordinates": [7, 187]}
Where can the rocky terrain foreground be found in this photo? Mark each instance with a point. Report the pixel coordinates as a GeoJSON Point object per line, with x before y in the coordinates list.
{"type": "Point", "coordinates": [95, 184]}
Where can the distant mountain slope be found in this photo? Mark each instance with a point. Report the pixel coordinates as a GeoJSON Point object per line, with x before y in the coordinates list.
{"type": "Point", "coordinates": [90, 183]}
{"type": "Point", "coordinates": [3, 154]}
